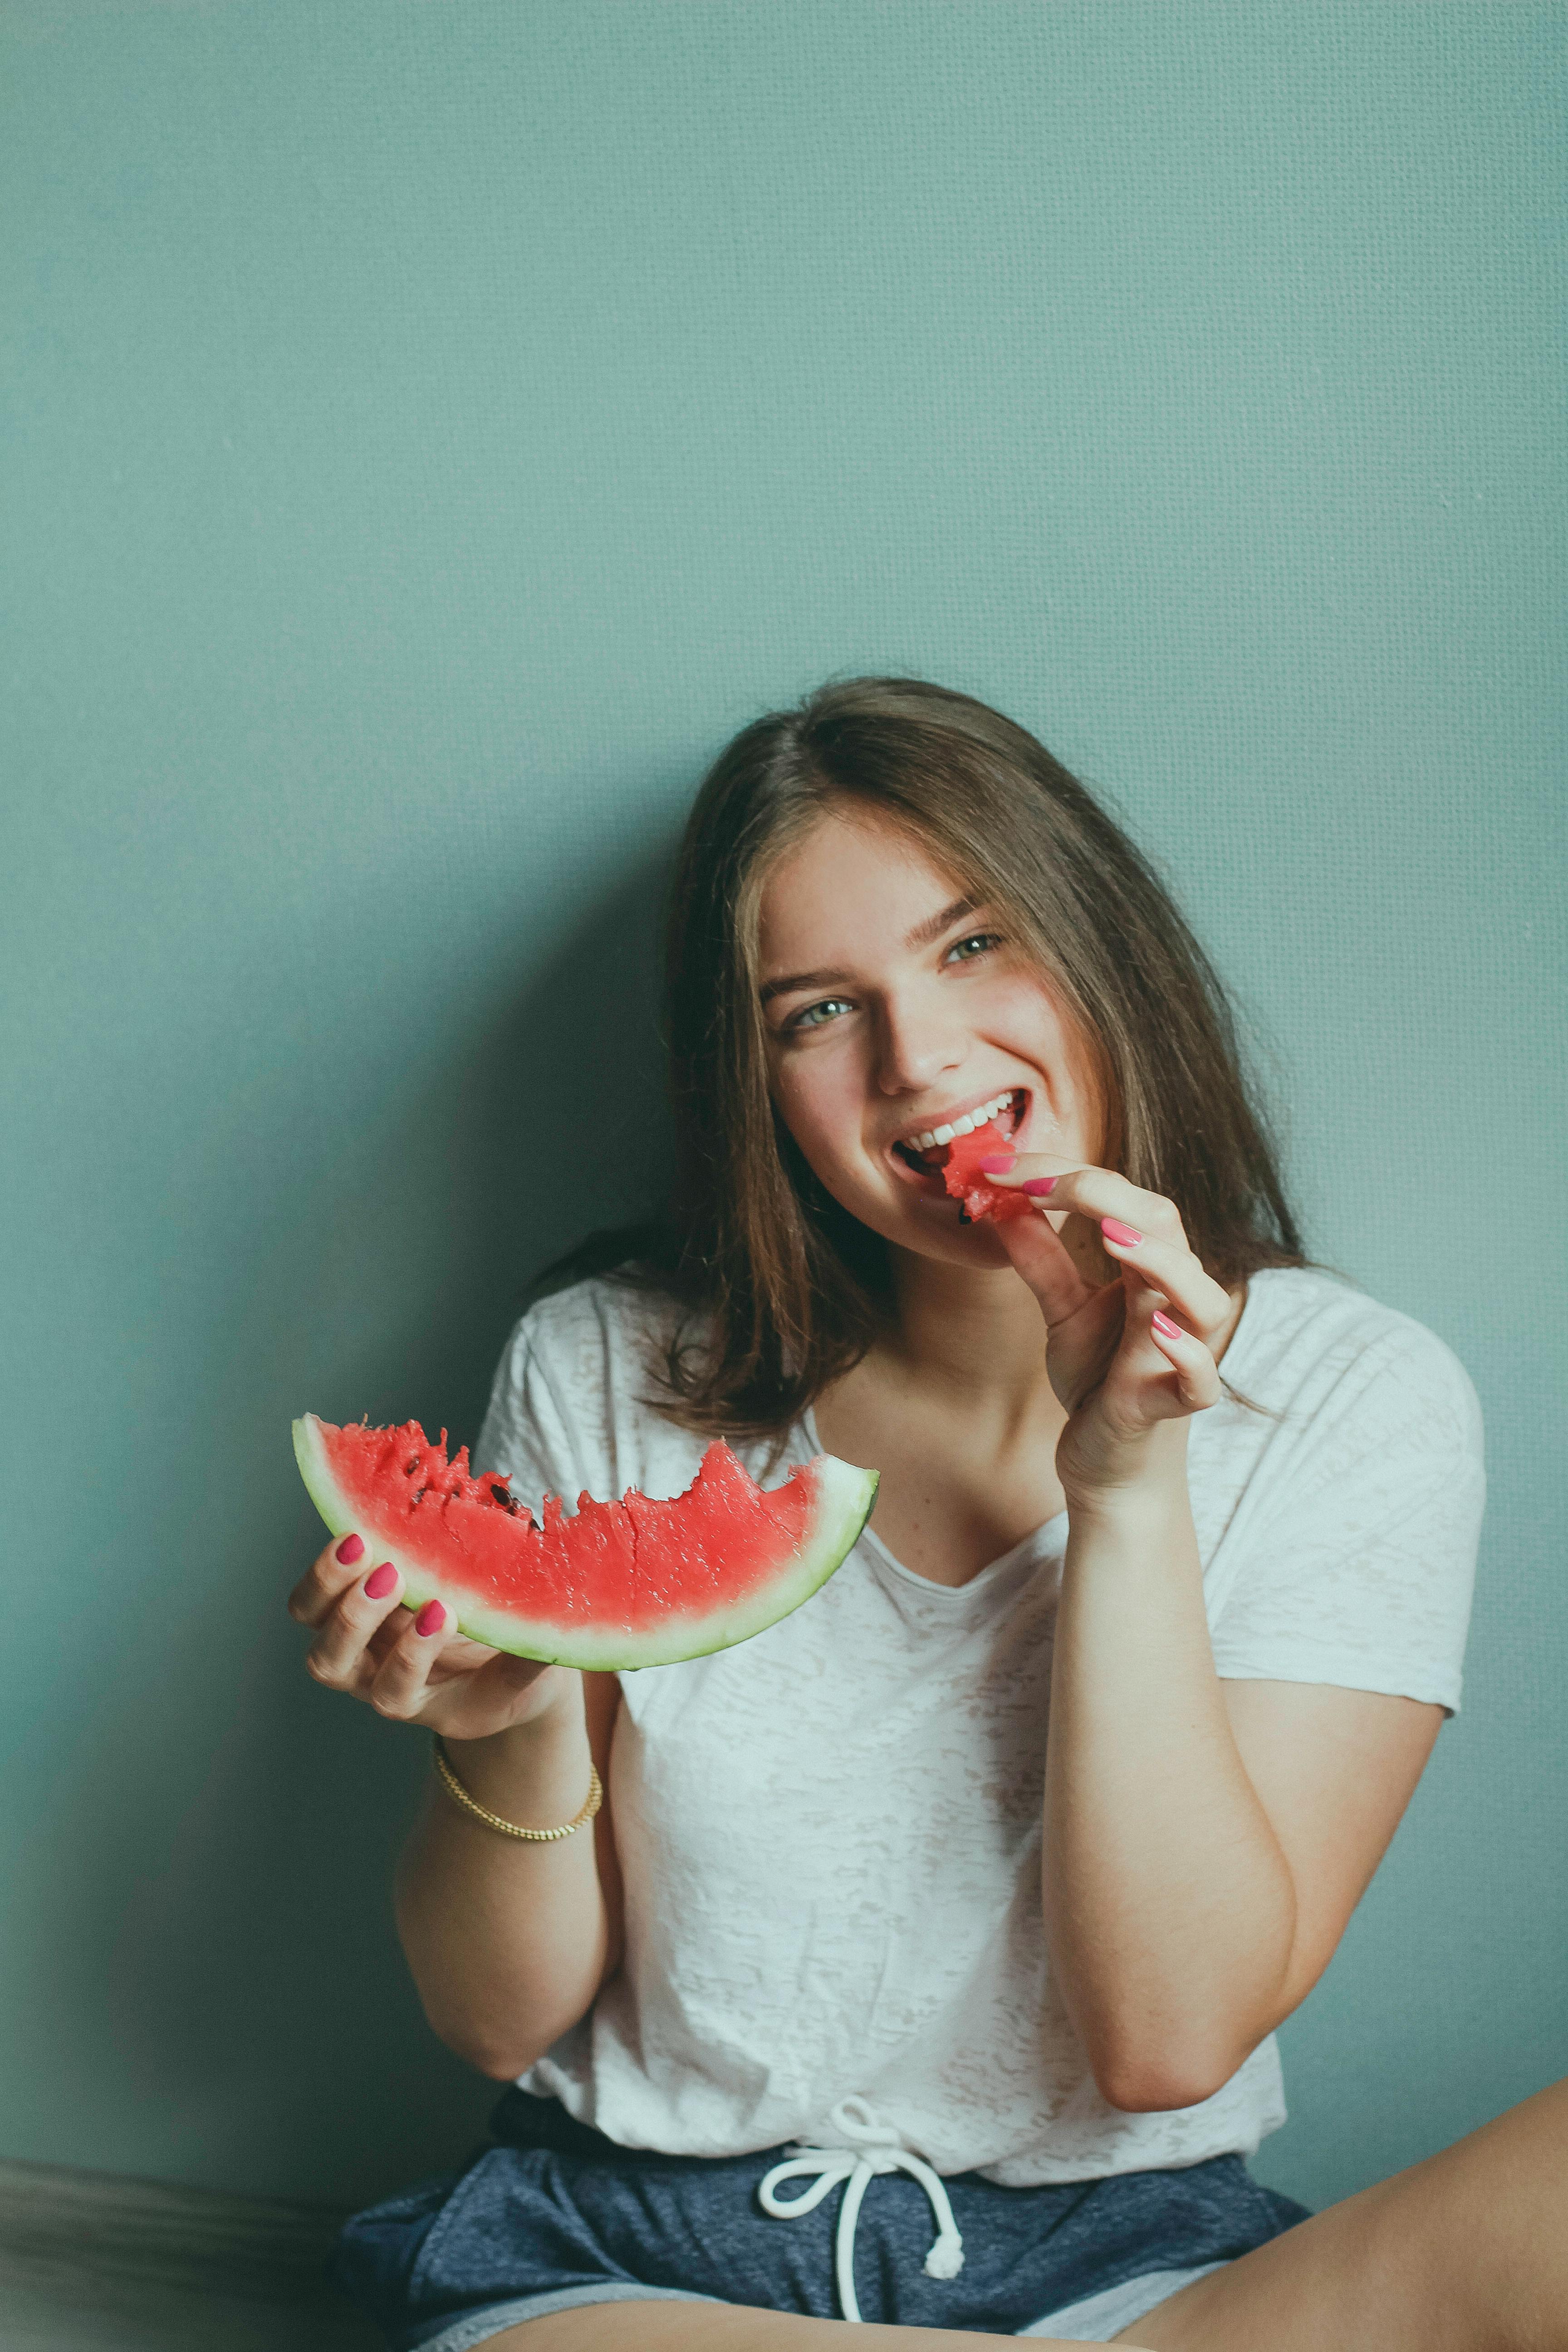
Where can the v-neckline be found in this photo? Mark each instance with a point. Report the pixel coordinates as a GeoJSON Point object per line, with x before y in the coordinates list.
{"type": "Point", "coordinates": [993, 1568]}
{"type": "Point", "coordinates": [1007, 1559]}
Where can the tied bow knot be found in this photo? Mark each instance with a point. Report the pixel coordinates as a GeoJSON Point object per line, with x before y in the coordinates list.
{"type": "Point", "coordinates": [867, 2146]}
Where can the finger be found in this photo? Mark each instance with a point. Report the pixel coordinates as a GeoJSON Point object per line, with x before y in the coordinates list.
{"type": "Point", "coordinates": [458, 1656]}
{"type": "Point", "coordinates": [336, 1656]}
{"type": "Point", "coordinates": [383, 1642]}
{"type": "Point", "coordinates": [327, 1579]}
{"type": "Point", "coordinates": [1170, 1267]}
{"type": "Point", "coordinates": [1093, 1192]}
{"type": "Point", "coordinates": [1046, 1265]}
{"type": "Point", "coordinates": [401, 1685]}
{"type": "Point", "coordinates": [1197, 1374]}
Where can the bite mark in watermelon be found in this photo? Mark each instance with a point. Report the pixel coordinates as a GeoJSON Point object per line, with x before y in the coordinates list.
{"type": "Point", "coordinates": [965, 1182]}
{"type": "Point", "coordinates": [635, 1583]}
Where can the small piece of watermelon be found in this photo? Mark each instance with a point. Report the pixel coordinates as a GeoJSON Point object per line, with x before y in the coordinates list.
{"type": "Point", "coordinates": [633, 1583]}
{"type": "Point", "coordinates": [965, 1181]}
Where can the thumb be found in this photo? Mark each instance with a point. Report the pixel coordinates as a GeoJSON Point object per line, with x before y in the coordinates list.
{"type": "Point", "coordinates": [1044, 1260]}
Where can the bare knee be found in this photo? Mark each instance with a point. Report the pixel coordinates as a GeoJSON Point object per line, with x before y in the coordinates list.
{"type": "Point", "coordinates": [1507, 2191]}
{"type": "Point", "coordinates": [1482, 2221]}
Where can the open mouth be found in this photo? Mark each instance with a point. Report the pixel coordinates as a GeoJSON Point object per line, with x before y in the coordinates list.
{"type": "Point", "coordinates": [925, 1154]}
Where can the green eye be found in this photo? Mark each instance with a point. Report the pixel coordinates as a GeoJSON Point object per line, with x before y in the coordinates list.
{"type": "Point", "coordinates": [816, 1016]}
{"type": "Point", "coordinates": [978, 943]}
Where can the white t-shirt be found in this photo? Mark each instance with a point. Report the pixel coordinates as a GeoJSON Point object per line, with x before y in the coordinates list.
{"type": "Point", "coordinates": [830, 1835]}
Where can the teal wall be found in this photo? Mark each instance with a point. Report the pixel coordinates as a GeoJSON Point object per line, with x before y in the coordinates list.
{"type": "Point", "coordinates": [429, 432]}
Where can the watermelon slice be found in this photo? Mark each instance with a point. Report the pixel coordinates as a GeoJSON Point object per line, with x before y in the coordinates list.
{"type": "Point", "coordinates": [634, 1584]}
{"type": "Point", "coordinates": [965, 1182]}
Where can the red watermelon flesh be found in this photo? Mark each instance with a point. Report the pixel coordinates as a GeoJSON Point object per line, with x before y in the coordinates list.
{"type": "Point", "coordinates": [638, 1583]}
{"type": "Point", "coordinates": [965, 1181]}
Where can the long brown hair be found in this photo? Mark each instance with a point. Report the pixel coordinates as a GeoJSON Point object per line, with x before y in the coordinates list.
{"type": "Point", "coordinates": [785, 1290]}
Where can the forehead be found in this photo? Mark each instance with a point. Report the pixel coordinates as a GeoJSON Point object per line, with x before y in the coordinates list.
{"type": "Point", "coordinates": [855, 882]}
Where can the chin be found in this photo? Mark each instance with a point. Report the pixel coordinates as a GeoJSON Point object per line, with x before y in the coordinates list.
{"type": "Point", "coordinates": [979, 1246]}
{"type": "Point", "coordinates": [936, 1233]}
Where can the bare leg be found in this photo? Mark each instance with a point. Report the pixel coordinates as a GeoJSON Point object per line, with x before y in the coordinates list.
{"type": "Point", "coordinates": [1466, 2252]}
{"type": "Point", "coordinates": [728, 2328]}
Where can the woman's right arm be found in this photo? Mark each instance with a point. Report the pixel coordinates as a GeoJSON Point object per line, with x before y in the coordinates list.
{"type": "Point", "coordinates": [508, 1941]}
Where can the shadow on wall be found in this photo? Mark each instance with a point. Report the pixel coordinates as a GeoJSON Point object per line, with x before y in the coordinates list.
{"type": "Point", "coordinates": [253, 1992]}
{"type": "Point", "coordinates": [582, 1140]}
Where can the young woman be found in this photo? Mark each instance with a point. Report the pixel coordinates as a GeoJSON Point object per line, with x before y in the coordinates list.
{"type": "Point", "coordinates": [922, 1964]}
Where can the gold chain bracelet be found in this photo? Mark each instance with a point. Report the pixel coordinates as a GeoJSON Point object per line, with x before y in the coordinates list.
{"type": "Point", "coordinates": [460, 1795]}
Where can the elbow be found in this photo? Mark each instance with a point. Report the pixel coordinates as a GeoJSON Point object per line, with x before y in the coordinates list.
{"type": "Point", "coordinates": [502, 2060]}
{"type": "Point", "coordinates": [502, 2055]}
{"type": "Point", "coordinates": [503, 2067]}
{"type": "Point", "coordinates": [1147, 2081]}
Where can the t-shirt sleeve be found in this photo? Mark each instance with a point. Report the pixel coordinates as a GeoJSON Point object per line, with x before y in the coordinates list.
{"type": "Point", "coordinates": [1359, 1567]}
{"type": "Point", "coordinates": [571, 1409]}
{"type": "Point", "coordinates": [530, 1434]}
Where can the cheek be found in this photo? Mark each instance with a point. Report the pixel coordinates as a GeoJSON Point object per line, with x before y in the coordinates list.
{"type": "Point", "coordinates": [1082, 1099]}
{"type": "Point", "coordinates": [821, 1106]}
{"type": "Point", "coordinates": [1023, 1018]}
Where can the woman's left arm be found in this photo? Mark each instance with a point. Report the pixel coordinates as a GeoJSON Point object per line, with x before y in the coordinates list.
{"type": "Point", "coordinates": [1205, 1841]}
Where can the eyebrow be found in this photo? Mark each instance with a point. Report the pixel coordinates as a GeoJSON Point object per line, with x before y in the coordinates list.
{"type": "Point", "coordinates": [920, 936]}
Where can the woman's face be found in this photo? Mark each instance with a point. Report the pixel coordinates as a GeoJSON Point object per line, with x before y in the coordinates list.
{"type": "Point", "coordinates": [894, 1005]}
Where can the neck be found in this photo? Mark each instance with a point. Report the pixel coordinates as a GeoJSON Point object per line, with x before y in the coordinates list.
{"type": "Point", "coordinates": [978, 1334]}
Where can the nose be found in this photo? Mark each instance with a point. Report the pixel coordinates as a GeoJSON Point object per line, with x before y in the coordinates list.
{"type": "Point", "coordinates": [917, 1044]}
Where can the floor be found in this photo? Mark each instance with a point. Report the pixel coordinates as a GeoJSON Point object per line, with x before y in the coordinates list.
{"type": "Point", "coordinates": [62, 2315]}
{"type": "Point", "coordinates": [90, 2262]}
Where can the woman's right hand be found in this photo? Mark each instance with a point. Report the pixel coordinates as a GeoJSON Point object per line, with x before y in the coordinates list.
{"type": "Point", "coordinates": [412, 1668]}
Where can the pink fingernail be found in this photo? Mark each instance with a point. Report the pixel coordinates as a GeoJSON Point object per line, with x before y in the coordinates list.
{"type": "Point", "coordinates": [384, 1577]}
{"type": "Point", "coordinates": [1039, 1186]}
{"type": "Point", "coordinates": [1163, 1325]}
{"type": "Point", "coordinates": [1122, 1236]}
{"type": "Point", "coordinates": [431, 1618]}
{"type": "Point", "coordinates": [998, 1163]}
{"type": "Point", "coordinates": [349, 1551]}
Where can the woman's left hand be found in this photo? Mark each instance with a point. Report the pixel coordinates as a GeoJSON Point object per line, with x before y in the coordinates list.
{"type": "Point", "coordinates": [1123, 1355]}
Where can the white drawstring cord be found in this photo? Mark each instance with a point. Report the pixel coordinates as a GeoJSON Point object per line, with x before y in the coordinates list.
{"type": "Point", "coordinates": [871, 2147]}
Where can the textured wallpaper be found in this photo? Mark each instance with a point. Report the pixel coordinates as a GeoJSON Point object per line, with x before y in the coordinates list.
{"type": "Point", "coordinates": [429, 432]}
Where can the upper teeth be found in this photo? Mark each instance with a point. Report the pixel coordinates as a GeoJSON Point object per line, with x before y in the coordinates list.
{"type": "Point", "coordinates": [965, 1126]}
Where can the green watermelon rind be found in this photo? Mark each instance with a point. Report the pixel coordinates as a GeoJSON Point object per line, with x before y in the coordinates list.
{"type": "Point", "coordinates": [842, 1506]}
